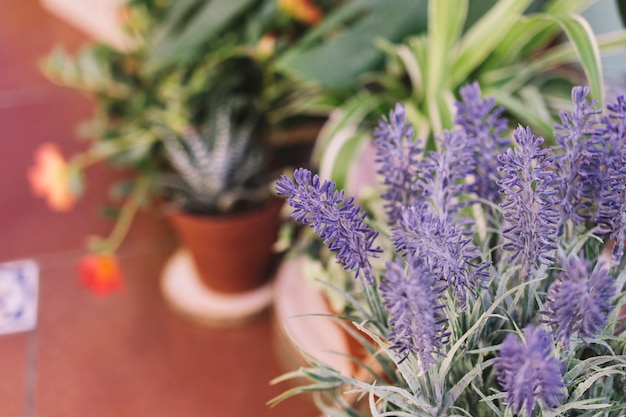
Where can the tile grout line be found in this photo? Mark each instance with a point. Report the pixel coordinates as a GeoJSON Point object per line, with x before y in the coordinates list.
{"type": "Point", "coordinates": [31, 374]}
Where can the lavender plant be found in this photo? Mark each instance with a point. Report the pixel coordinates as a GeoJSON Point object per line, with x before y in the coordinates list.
{"type": "Point", "coordinates": [520, 316]}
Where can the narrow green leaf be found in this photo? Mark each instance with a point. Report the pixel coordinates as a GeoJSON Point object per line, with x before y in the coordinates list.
{"type": "Point", "coordinates": [326, 64]}
{"type": "Point", "coordinates": [208, 22]}
{"type": "Point", "coordinates": [338, 19]}
{"type": "Point", "coordinates": [447, 361]}
{"type": "Point", "coordinates": [567, 6]}
{"type": "Point", "coordinates": [588, 404]}
{"type": "Point", "coordinates": [405, 368]}
{"type": "Point", "coordinates": [440, 111]}
{"type": "Point", "coordinates": [445, 24]}
{"type": "Point", "coordinates": [517, 76]}
{"type": "Point", "coordinates": [585, 45]}
{"type": "Point", "coordinates": [591, 379]}
{"type": "Point", "coordinates": [525, 37]}
{"type": "Point", "coordinates": [454, 392]}
{"type": "Point", "coordinates": [525, 115]}
{"type": "Point", "coordinates": [173, 19]}
{"type": "Point", "coordinates": [481, 39]}
{"type": "Point", "coordinates": [587, 364]}
{"type": "Point", "coordinates": [411, 56]}
{"type": "Point", "coordinates": [339, 166]}
{"type": "Point", "coordinates": [348, 116]}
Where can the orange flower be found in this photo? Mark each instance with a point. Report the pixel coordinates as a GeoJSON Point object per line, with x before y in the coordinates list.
{"type": "Point", "coordinates": [101, 273]}
{"type": "Point", "coordinates": [266, 46]}
{"type": "Point", "coordinates": [49, 178]}
{"type": "Point", "coordinates": [303, 10]}
{"type": "Point", "coordinates": [123, 14]}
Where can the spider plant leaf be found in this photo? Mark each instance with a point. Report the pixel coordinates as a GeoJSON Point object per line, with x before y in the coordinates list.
{"type": "Point", "coordinates": [336, 163]}
{"type": "Point", "coordinates": [483, 37]}
{"type": "Point", "coordinates": [440, 111]}
{"type": "Point", "coordinates": [567, 6]}
{"type": "Point", "coordinates": [349, 115]}
{"type": "Point", "coordinates": [525, 37]}
{"type": "Point", "coordinates": [413, 54]}
{"type": "Point", "coordinates": [585, 45]}
{"type": "Point", "coordinates": [515, 76]}
{"type": "Point", "coordinates": [522, 112]}
{"type": "Point", "coordinates": [445, 24]}
{"type": "Point", "coordinates": [529, 35]}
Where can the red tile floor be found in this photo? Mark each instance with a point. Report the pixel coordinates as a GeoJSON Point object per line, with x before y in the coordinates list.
{"type": "Point", "coordinates": [124, 355]}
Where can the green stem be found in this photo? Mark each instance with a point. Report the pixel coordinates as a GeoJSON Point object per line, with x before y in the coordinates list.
{"type": "Point", "coordinates": [86, 159]}
{"type": "Point", "coordinates": [127, 214]}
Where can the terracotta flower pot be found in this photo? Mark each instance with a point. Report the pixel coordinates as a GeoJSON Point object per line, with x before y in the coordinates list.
{"type": "Point", "coordinates": [232, 253]}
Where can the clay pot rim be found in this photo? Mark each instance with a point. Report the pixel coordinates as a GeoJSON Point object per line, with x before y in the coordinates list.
{"type": "Point", "coordinates": [247, 216]}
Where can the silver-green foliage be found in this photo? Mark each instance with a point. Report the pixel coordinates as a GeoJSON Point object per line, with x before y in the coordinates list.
{"type": "Point", "coordinates": [219, 165]}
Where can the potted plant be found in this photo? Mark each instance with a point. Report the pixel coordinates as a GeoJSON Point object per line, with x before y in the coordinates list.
{"type": "Point", "coordinates": [530, 81]}
{"type": "Point", "coordinates": [541, 69]}
{"type": "Point", "coordinates": [190, 49]}
{"type": "Point", "coordinates": [489, 275]}
{"type": "Point", "coordinates": [220, 204]}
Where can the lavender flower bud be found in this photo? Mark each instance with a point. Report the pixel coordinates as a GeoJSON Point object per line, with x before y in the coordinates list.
{"type": "Point", "coordinates": [442, 174]}
{"type": "Point", "coordinates": [397, 153]}
{"type": "Point", "coordinates": [486, 137]}
{"type": "Point", "coordinates": [334, 218]}
{"type": "Point", "coordinates": [414, 304]}
{"type": "Point", "coordinates": [446, 250]}
{"type": "Point", "coordinates": [531, 214]}
{"type": "Point", "coordinates": [579, 165]}
{"type": "Point", "coordinates": [612, 206]}
{"type": "Point", "coordinates": [528, 371]}
{"type": "Point", "coordinates": [578, 302]}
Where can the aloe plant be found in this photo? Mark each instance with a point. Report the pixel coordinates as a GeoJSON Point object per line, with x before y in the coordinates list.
{"type": "Point", "coordinates": [218, 166]}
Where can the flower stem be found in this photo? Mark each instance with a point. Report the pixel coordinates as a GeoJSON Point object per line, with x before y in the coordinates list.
{"type": "Point", "coordinates": [127, 214]}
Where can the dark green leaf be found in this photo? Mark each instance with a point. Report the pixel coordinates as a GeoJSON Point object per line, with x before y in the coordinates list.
{"type": "Point", "coordinates": [340, 61]}
{"type": "Point", "coordinates": [207, 23]}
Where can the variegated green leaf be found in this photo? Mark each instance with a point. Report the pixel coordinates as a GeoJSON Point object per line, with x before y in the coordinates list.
{"type": "Point", "coordinates": [481, 39]}
{"type": "Point", "coordinates": [585, 45]}
{"type": "Point", "coordinates": [445, 24]}
{"type": "Point", "coordinates": [348, 116]}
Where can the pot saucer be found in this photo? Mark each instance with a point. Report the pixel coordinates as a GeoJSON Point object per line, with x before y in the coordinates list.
{"type": "Point", "coordinates": [185, 294]}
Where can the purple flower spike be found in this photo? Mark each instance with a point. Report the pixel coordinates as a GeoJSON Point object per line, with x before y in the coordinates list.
{"type": "Point", "coordinates": [528, 371]}
{"type": "Point", "coordinates": [444, 249]}
{"type": "Point", "coordinates": [486, 137]}
{"type": "Point", "coordinates": [578, 302]}
{"type": "Point", "coordinates": [531, 215]}
{"type": "Point", "coordinates": [611, 217]}
{"type": "Point", "coordinates": [415, 310]}
{"type": "Point", "coordinates": [579, 165]}
{"type": "Point", "coordinates": [397, 153]}
{"type": "Point", "coordinates": [334, 218]}
{"type": "Point", "coordinates": [442, 174]}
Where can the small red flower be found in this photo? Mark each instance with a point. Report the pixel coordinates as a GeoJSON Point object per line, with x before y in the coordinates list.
{"type": "Point", "coordinates": [101, 273]}
{"type": "Point", "coordinates": [50, 178]}
{"type": "Point", "coordinates": [302, 10]}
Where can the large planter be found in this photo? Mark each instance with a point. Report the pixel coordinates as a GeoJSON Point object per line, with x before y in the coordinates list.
{"type": "Point", "coordinates": [222, 273]}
